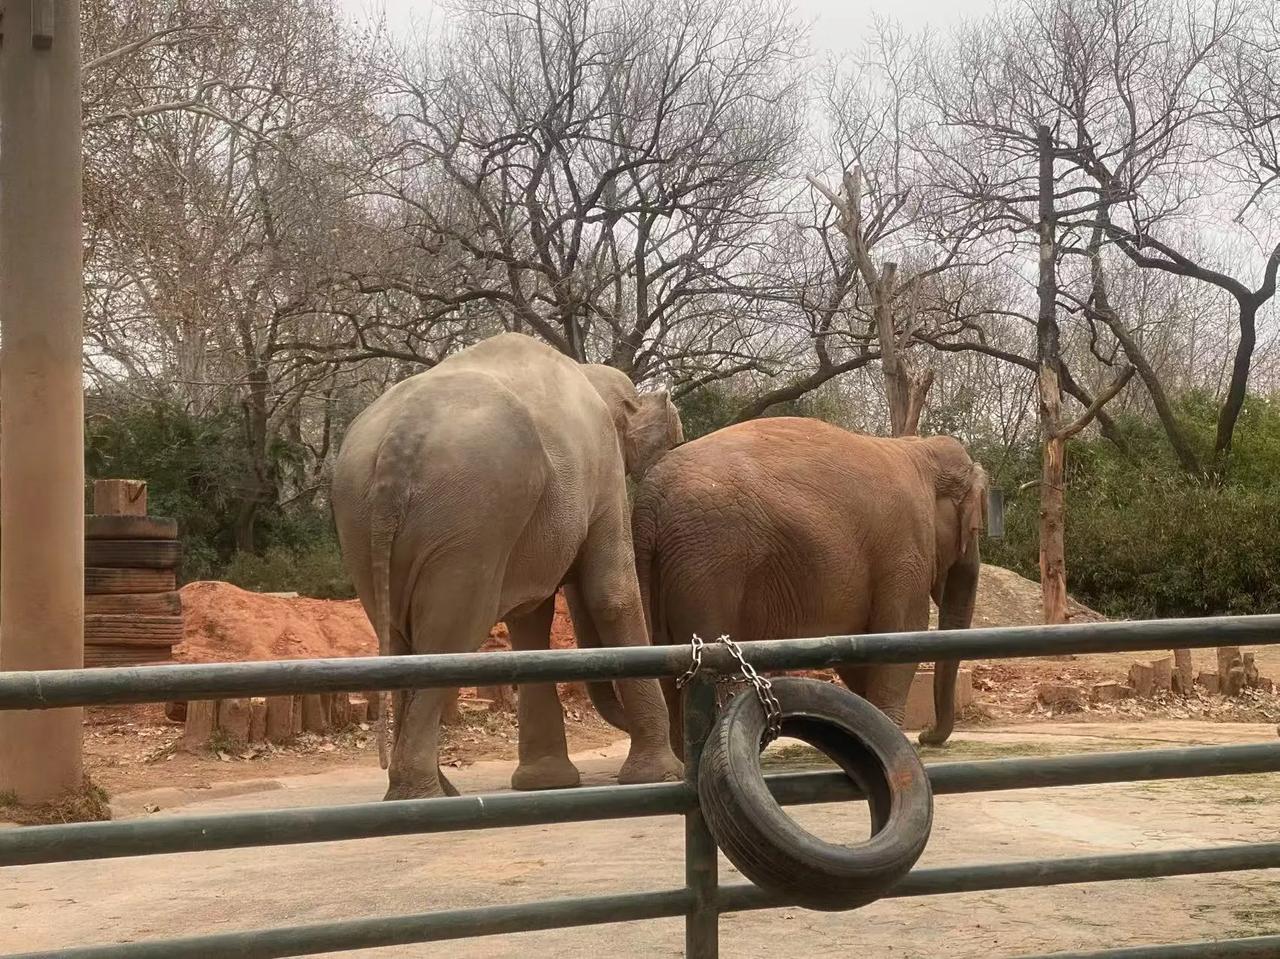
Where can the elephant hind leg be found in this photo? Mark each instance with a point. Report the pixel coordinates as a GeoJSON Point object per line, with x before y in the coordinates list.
{"type": "Point", "coordinates": [887, 685]}
{"type": "Point", "coordinates": [450, 614]}
{"type": "Point", "coordinates": [544, 753]}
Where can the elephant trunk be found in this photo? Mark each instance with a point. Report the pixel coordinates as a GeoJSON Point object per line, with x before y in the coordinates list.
{"type": "Point", "coordinates": [604, 697]}
{"type": "Point", "coordinates": [959, 594]}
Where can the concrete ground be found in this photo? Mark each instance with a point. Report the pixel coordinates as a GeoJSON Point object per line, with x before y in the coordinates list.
{"type": "Point", "coordinates": [56, 906]}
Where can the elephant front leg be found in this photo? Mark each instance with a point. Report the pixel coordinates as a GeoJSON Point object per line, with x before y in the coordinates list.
{"type": "Point", "coordinates": [544, 752]}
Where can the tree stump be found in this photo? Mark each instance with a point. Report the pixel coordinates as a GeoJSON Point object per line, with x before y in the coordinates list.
{"type": "Point", "coordinates": [314, 717]}
{"type": "Point", "coordinates": [295, 719]}
{"type": "Point", "coordinates": [201, 718]}
{"type": "Point", "coordinates": [359, 707]}
{"type": "Point", "coordinates": [1162, 673]}
{"type": "Point", "coordinates": [1142, 679]}
{"type": "Point", "coordinates": [1183, 672]}
{"type": "Point", "coordinates": [501, 699]}
{"type": "Point", "coordinates": [257, 720]}
{"type": "Point", "coordinates": [1209, 682]}
{"type": "Point", "coordinates": [279, 718]}
{"type": "Point", "coordinates": [1230, 670]}
{"type": "Point", "coordinates": [233, 719]}
{"type": "Point", "coordinates": [1251, 676]}
{"type": "Point", "coordinates": [450, 713]}
{"type": "Point", "coordinates": [340, 711]}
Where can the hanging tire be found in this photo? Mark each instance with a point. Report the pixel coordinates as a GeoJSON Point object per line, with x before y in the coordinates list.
{"type": "Point", "coordinates": [129, 527]}
{"type": "Point", "coordinates": [100, 581]}
{"type": "Point", "coordinates": [132, 553]}
{"type": "Point", "coordinates": [770, 848]}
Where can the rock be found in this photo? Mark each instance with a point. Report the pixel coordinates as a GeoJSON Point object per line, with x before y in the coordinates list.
{"type": "Point", "coordinates": [1209, 682]}
{"type": "Point", "coordinates": [1109, 692]}
{"type": "Point", "coordinates": [175, 712]}
{"type": "Point", "coordinates": [1061, 696]}
{"type": "Point", "coordinates": [233, 719]}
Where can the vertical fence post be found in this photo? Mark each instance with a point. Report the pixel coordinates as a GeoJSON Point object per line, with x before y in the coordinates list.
{"type": "Point", "coordinates": [701, 924]}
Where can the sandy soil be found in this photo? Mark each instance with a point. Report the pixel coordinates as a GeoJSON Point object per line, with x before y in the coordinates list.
{"type": "Point", "coordinates": [56, 906]}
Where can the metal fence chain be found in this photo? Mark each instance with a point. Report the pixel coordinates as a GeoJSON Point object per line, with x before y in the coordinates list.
{"type": "Point", "coordinates": [761, 684]}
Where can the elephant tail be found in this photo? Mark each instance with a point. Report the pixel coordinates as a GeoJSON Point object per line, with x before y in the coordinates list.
{"type": "Point", "coordinates": [382, 534]}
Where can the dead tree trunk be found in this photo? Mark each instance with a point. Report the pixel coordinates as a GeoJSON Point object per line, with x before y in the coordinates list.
{"type": "Point", "coordinates": [1053, 563]}
{"type": "Point", "coordinates": [906, 385]}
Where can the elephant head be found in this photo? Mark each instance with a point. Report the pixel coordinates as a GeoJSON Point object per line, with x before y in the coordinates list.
{"type": "Point", "coordinates": [961, 505]}
{"type": "Point", "coordinates": [648, 424]}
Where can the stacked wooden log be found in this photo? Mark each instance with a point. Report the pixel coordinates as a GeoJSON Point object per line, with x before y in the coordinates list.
{"type": "Point", "coordinates": [272, 719]}
{"type": "Point", "coordinates": [133, 613]}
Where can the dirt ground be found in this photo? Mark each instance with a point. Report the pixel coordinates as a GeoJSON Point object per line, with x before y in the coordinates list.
{"type": "Point", "coordinates": [55, 906]}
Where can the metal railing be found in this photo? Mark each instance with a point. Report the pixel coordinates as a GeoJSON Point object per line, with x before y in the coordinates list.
{"type": "Point", "coordinates": [702, 900]}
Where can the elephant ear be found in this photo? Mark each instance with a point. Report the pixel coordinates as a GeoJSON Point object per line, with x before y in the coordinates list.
{"type": "Point", "coordinates": [653, 427]}
{"type": "Point", "coordinates": [973, 508]}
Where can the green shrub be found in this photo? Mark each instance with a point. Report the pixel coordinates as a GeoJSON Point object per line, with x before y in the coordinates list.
{"type": "Point", "coordinates": [1144, 539]}
{"type": "Point", "coordinates": [315, 571]}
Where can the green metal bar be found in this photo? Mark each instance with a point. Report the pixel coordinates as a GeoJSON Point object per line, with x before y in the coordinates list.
{"type": "Point", "coordinates": [380, 931]}
{"type": "Point", "coordinates": [156, 836]}
{"type": "Point", "coordinates": [701, 862]}
{"type": "Point", "coordinates": [984, 877]}
{"type": "Point", "coordinates": [1255, 947]}
{"type": "Point", "coordinates": [558, 913]}
{"type": "Point", "coordinates": [46, 689]}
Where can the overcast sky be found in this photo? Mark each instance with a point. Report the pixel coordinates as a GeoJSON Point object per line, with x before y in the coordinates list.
{"type": "Point", "coordinates": [836, 24]}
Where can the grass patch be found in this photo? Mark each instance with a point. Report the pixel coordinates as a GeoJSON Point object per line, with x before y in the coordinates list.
{"type": "Point", "coordinates": [89, 803]}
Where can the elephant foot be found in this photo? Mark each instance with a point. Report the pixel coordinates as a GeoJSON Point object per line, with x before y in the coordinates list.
{"type": "Point", "coordinates": [550, 772]}
{"type": "Point", "coordinates": [933, 737]}
{"type": "Point", "coordinates": [420, 789]}
{"type": "Point", "coordinates": [652, 766]}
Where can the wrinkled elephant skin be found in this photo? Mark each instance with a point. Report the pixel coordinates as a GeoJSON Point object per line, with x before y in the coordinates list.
{"type": "Point", "coordinates": [469, 494]}
{"type": "Point", "coordinates": [782, 528]}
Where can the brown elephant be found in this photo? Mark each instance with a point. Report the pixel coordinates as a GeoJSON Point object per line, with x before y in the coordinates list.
{"type": "Point", "coordinates": [782, 528]}
{"type": "Point", "coordinates": [469, 494]}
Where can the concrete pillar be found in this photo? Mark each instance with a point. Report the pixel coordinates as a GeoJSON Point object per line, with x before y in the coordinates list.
{"type": "Point", "coordinates": [41, 391]}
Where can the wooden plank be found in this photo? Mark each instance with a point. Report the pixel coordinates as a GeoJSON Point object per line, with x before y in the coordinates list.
{"type": "Point", "coordinates": [120, 497]}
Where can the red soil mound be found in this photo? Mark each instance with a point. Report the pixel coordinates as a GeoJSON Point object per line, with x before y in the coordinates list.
{"type": "Point", "coordinates": [225, 624]}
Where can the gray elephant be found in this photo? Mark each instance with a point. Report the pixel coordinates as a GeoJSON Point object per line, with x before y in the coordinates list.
{"type": "Point", "coordinates": [782, 528]}
{"type": "Point", "coordinates": [469, 494]}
